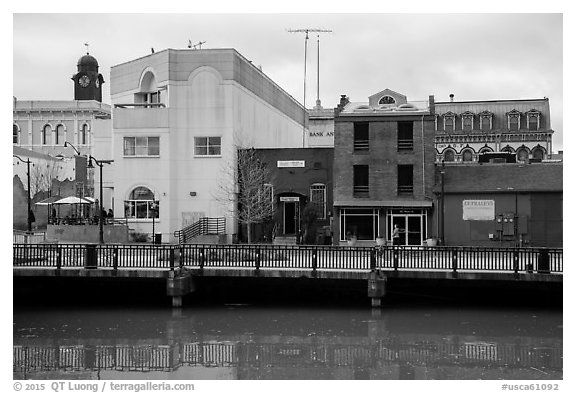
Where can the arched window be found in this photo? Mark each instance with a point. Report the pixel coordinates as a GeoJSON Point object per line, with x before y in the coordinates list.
{"type": "Point", "coordinates": [513, 120]}
{"type": "Point", "coordinates": [485, 120]}
{"type": "Point", "coordinates": [141, 204]}
{"type": "Point", "coordinates": [386, 100]}
{"type": "Point", "coordinates": [449, 121]}
{"type": "Point", "coordinates": [45, 134]}
{"type": "Point", "coordinates": [507, 149]}
{"type": "Point", "coordinates": [60, 135]}
{"type": "Point", "coordinates": [449, 155]}
{"type": "Point", "coordinates": [83, 137]}
{"type": "Point", "coordinates": [533, 120]}
{"type": "Point", "coordinates": [467, 121]}
{"type": "Point", "coordinates": [15, 134]}
{"type": "Point", "coordinates": [318, 199]}
{"type": "Point", "coordinates": [522, 154]}
{"type": "Point", "coordinates": [538, 153]}
{"type": "Point", "coordinates": [467, 155]}
{"type": "Point", "coordinates": [485, 149]}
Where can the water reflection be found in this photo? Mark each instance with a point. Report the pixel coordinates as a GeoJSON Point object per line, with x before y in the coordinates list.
{"type": "Point", "coordinates": [238, 342]}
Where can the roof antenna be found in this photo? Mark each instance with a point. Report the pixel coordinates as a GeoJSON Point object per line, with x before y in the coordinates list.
{"type": "Point", "coordinates": [86, 45]}
{"type": "Point", "coordinates": [195, 46]}
{"type": "Point", "coordinates": [152, 49]}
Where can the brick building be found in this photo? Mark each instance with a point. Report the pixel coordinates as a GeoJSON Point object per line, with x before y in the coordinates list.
{"type": "Point", "coordinates": [301, 180]}
{"type": "Point", "coordinates": [383, 168]}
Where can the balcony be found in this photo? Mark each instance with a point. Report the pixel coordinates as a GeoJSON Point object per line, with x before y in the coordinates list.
{"type": "Point", "coordinates": [126, 116]}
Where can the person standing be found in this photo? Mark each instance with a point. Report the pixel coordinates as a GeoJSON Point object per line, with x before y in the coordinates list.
{"type": "Point", "coordinates": [396, 235]}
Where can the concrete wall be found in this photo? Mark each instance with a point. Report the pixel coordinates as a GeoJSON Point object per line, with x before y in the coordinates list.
{"type": "Point", "coordinates": [87, 233]}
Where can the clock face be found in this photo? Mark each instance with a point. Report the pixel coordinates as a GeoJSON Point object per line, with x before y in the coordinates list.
{"type": "Point", "coordinates": [84, 81]}
{"type": "Point", "coordinates": [97, 83]}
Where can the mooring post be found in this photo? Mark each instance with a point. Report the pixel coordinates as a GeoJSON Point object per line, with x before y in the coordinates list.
{"type": "Point", "coordinates": [376, 288]}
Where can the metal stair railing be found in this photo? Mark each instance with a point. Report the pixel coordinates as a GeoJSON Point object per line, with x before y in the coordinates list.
{"type": "Point", "coordinates": [204, 226]}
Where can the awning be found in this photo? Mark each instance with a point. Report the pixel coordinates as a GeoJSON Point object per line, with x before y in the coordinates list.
{"type": "Point", "coordinates": [72, 200]}
{"type": "Point", "coordinates": [49, 201]}
{"type": "Point", "coordinates": [390, 203]}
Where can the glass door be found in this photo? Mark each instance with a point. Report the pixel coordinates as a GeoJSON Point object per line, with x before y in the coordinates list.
{"type": "Point", "coordinates": [412, 228]}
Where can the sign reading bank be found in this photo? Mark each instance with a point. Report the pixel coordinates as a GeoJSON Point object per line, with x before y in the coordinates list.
{"type": "Point", "coordinates": [478, 210]}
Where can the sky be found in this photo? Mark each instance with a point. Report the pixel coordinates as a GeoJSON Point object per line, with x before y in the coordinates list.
{"type": "Point", "coordinates": [473, 56]}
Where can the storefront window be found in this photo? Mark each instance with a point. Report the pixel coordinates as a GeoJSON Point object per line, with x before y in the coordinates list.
{"type": "Point", "coordinates": [360, 222]}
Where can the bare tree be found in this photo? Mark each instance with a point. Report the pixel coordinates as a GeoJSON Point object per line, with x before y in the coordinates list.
{"type": "Point", "coordinates": [246, 187]}
{"type": "Point", "coordinates": [42, 175]}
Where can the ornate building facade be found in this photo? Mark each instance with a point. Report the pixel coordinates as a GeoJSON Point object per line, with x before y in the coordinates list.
{"type": "Point", "coordinates": [466, 129]}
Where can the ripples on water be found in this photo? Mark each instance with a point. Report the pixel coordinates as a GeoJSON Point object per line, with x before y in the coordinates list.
{"type": "Point", "coordinates": [238, 341]}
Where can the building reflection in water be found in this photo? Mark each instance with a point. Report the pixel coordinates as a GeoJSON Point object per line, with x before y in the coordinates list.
{"type": "Point", "coordinates": [246, 343]}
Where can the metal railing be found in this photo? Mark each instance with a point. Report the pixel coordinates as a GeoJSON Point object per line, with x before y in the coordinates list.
{"type": "Point", "coordinates": [204, 226]}
{"type": "Point", "coordinates": [288, 257]}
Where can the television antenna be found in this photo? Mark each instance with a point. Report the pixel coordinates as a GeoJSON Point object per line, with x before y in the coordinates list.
{"type": "Point", "coordinates": [307, 31]}
{"type": "Point", "coordinates": [195, 46]}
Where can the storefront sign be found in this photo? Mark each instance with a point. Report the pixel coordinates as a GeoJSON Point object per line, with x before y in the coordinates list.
{"type": "Point", "coordinates": [478, 210]}
{"type": "Point", "coordinates": [289, 199]}
{"type": "Point", "coordinates": [291, 164]}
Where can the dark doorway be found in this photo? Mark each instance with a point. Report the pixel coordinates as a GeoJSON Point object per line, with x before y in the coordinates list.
{"type": "Point", "coordinates": [290, 218]}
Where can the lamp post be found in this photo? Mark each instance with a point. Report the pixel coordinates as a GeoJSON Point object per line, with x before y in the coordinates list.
{"type": "Point", "coordinates": [27, 162]}
{"type": "Point", "coordinates": [154, 208]}
{"type": "Point", "coordinates": [100, 163]}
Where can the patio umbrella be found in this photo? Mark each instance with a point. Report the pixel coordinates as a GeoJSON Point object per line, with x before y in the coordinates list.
{"type": "Point", "coordinates": [72, 200]}
{"type": "Point", "coordinates": [49, 201]}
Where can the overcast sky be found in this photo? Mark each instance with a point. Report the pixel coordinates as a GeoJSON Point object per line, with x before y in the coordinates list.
{"type": "Point", "coordinates": [474, 56]}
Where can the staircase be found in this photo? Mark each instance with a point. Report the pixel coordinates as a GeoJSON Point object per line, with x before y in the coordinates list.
{"type": "Point", "coordinates": [202, 229]}
{"type": "Point", "coordinates": [285, 240]}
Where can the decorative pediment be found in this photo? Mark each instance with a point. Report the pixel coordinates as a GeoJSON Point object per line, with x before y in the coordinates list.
{"type": "Point", "coordinates": [467, 114]}
{"type": "Point", "coordinates": [514, 113]}
{"type": "Point", "coordinates": [485, 114]}
{"type": "Point", "coordinates": [449, 114]}
{"type": "Point", "coordinates": [387, 97]}
{"type": "Point", "coordinates": [533, 113]}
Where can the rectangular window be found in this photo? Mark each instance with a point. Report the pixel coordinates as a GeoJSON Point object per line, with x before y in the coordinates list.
{"type": "Point", "coordinates": [485, 122]}
{"type": "Point", "coordinates": [467, 123]}
{"type": "Point", "coordinates": [361, 137]}
{"type": "Point", "coordinates": [514, 123]}
{"type": "Point", "coordinates": [208, 146]}
{"type": "Point", "coordinates": [405, 179]}
{"type": "Point", "coordinates": [361, 185]}
{"type": "Point", "coordinates": [363, 223]}
{"type": "Point", "coordinates": [448, 123]}
{"type": "Point", "coordinates": [318, 199]}
{"type": "Point", "coordinates": [142, 146]}
{"type": "Point", "coordinates": [532, 123]}
{"type": "Point", "coordinates": [405, 135]}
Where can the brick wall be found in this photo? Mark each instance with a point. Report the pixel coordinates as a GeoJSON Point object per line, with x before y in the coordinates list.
{"type": "Point", "coordinates": [383, 158]}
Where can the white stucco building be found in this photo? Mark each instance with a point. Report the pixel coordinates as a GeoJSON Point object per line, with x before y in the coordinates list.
{"type": "Point", "coordinates": [177, 116]}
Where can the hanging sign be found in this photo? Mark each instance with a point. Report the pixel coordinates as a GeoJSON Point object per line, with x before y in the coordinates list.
{"type": "Point", "coordinates": [478, 210]}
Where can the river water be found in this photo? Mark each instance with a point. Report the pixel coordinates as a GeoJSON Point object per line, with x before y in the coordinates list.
{"type": "Point", "coordinates": [242, 341]}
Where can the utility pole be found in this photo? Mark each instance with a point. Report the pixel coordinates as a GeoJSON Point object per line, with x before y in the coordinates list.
{"type": "Point", "coordinates": [309, 30]}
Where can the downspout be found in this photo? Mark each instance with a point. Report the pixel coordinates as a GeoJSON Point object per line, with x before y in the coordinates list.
{"type": "Point", "coordinates": [423, 159]}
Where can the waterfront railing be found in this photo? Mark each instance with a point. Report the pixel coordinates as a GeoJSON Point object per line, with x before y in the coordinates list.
{"type": "Point", "coordinates": [288, 257]}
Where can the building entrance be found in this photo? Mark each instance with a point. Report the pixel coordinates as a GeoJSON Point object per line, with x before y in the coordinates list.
{"type": "Point", "coordinates": [412, 227]}
{"type": "Point", "coordinates": [291, 217]}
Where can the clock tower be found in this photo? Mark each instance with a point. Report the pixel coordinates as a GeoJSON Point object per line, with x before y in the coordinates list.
{"type": "Point", "coordinates": [87, 81]}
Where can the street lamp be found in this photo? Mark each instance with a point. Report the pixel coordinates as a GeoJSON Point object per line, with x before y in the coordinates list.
{"type": "Point", "coordinates": [66, 144]}
{"type": "Point", "coordinates": [100, 163]}
{"type": "Point", "coordinates": [29, 200]}
{"type": "Point", "coordinates": [154, 208]}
